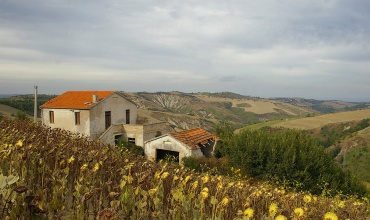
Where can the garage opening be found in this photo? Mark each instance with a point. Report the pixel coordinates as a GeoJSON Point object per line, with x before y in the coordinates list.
{"type": "Point", "coordinates": [167, 155]}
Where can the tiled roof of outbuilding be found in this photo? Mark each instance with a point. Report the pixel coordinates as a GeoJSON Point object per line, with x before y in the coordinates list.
{"type": "Point", "coordinates": [194, 137]}
{"type": "Point", "coordinates": [76, 99]}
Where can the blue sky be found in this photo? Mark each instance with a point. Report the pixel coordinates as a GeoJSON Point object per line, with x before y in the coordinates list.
{"type": "Point", "coordinates": [267, 48]}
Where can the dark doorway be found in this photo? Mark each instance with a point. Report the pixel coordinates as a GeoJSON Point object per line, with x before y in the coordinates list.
{"type": "Point", "coordinates": [108, 119]}
{"type": "Point", "coordinates": [167, 155]}
{"type": "Point", "coordinates": [118, 139]}
{"type": "Point", "coordinates": [128, 116]}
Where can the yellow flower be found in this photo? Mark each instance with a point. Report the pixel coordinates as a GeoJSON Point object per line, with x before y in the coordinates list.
{"type": "Point", "coordinates": [299, 212]}
{"type": "Point", "coordinates": [357, 203]}
{"type": "Point", "coordinates": [175, 178]}
{"type": "Point", "coordinates": [187, 179]}
{"type": "Point", "coordinates": [273, 209]}
{"type": "Point", "coordinates": [280, 217]}
{"type": "Point", "coordinates": [71, 159]}
{"type": "Point", "coordinates": [341, 204]}
{"type": "Point", "coordinates": [205, 178]}
{"type": "Point", "coordinates": [195, 184]}
{"type": "Point", "coordinates": [219, 185]}
{"type": "Point", "coordinates": [164, 175]}
{"type": "Point", "coordinates": [152, 191]}
{"type": "Point", "coordinates": [249, 212]}
{"type": "Point", "coordinates": [225, 201]}
{"type": "Point", "coordinates": [96, 167]}
{"type": "Point", "coordinates": [307, 199]}
{"type": "Point", "coordinates": [204, 193]}
{"type": "Point", "coordinates": [330, 216]}
{"type": "Point", "coordinates": [19, 143]}
{"type": "Point", "coordinates": [83, 167]}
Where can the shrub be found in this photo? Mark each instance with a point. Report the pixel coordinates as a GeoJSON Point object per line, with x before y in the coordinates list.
{"type": "Point", "coordinates": [202, 164]}
{"type": "Point", "coordinates": [289, 155]}
{"type": "Point", "coordinates": [20, 115]}
{"type": "Point", "coordinates": [137, 150]}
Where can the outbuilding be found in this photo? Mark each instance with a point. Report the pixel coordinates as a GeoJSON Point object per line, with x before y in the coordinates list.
{"type": "Point", "coordinates": [195, 142]}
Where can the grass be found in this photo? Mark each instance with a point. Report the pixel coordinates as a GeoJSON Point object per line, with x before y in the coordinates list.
{"type": "Point", "coordinates": [260, 125]}
{"type": "Point", "coordinates": [358, 161]}
{"type": "Point", "coordinates": [321, 120]}
{"type": "Point", "coordinates": [7, 110]}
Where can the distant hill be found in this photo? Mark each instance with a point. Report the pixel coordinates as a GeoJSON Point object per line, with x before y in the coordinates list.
{"type": "Point", "coordinates": [8, 95]}
{"type": "Point", "coordinates": [325, 106]}
{"type": "Point", "coordinates": [25, 103]}
{"type": "Point", "coordinates": [189, 110]}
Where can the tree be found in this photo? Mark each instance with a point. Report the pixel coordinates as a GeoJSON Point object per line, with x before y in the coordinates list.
{"type": "Point", "coordinates": [20, 115]}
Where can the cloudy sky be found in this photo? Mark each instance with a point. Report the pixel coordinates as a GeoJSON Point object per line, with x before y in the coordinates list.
{"type": "Point", "coordinates": [269, 48]}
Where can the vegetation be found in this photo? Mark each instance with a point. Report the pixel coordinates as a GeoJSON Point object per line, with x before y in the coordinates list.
{"type": "Point", "coordinates": [25, 103]}
{"type": "Point", "coordinates": [358, 160]}
{"type": "Point", "coordinates": [125, 145]}
{"type": "Point", "coordinates": [53, 174]}
{"type": "Point", "coordinates": [21, 115]}
{"type": "Point", "coordinates": [332, 134]}
{"type": "Point", "coordinates": [289, 156]}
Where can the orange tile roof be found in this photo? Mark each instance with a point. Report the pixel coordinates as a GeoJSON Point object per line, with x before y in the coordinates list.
{"type": "Point", "coordinates": [194, 137]}
{"type": "Point", "coordinates": [75, 99]}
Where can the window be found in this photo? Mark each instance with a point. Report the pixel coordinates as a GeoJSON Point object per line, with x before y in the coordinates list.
{"type": "Point", "coordinates": [77, 118]}
{"type": "Point", "coordinates": [128, 116]}
{"type": "Point", "coordinates": [108, 119]}
{"type": "Point", "coordinates": [51, 117]}
{"type": "Point", "coordinates": [131, 140]}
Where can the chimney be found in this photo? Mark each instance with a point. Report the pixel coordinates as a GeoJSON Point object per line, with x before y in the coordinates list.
{"type": "Point", "coordinates": [95, 98]}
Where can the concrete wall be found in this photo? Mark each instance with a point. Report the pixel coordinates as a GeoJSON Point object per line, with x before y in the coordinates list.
{"type": "Point", "coordinates": [167, 142]}
{"type": "Point", "coordinates": [155, 130]}
{"type": "Point", "coordinates": [65, 119]}
{"type": "Point", "coordinates": [108, 137]}
{"type": "Point", "coordinates": [134, 131]}
{"type": "Point", "coordinates": [141, 133]}
{"type": "Point", "coordinates": [117, 105]}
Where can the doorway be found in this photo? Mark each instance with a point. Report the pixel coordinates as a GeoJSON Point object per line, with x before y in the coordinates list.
{"type": "Point", "coordinates": [168, 155]}
{"type": "Point", "coordinates": [108, 119]}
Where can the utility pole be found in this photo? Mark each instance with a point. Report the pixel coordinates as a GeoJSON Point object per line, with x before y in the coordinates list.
{"type": "Point", "coordinates": [35, 107]}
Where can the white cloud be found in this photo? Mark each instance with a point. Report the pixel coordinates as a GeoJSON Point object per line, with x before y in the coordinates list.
{"type": "Point", "coordinates": [282, 46]}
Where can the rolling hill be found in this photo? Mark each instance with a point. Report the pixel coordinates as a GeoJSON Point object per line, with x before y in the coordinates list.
{"type": "Point", "coordinates": [189, 110]}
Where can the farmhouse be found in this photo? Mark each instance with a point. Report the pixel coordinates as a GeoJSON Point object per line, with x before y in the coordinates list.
{"type": "Point", "coordinates": [103, 115]}
{"type": "Point", "coordinates": [195, 142]}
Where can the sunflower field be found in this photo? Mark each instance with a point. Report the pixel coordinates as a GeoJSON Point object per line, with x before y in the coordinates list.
{"type": "Point", "coordinates": [54, 174]}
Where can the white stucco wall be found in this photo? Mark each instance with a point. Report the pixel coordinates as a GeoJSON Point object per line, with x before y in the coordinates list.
{"type": "Point", "coordinates": [92, 121]}
{"type": "Point", "coordinates": [65, 119]}
{"type": "Point", "coordinates": [166, 142]}
{"type": "Point", "coordinates": [117, 105]}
